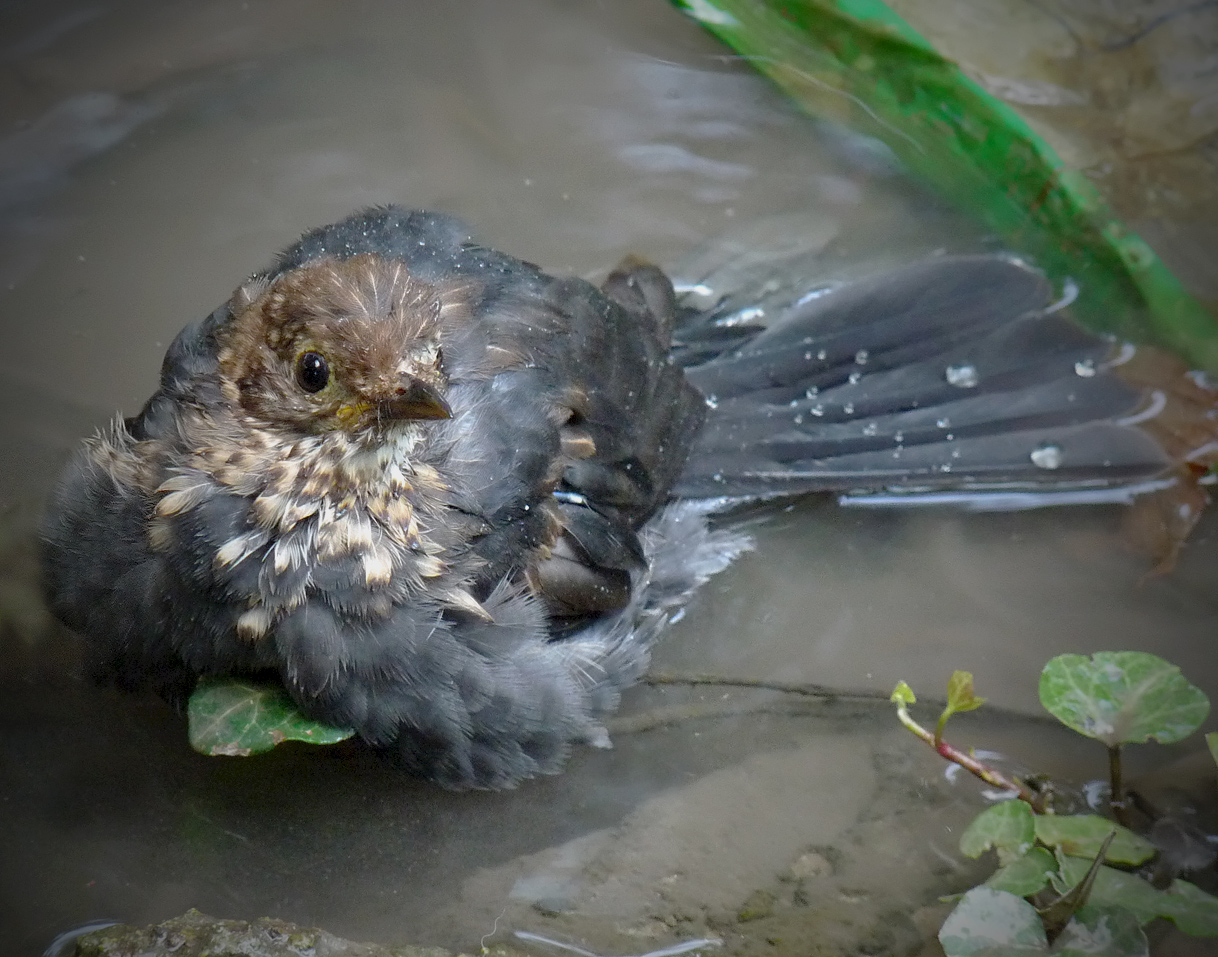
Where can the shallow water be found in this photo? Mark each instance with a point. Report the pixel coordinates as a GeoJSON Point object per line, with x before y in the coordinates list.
{"type": "Point", "coordinates": [157, 152]}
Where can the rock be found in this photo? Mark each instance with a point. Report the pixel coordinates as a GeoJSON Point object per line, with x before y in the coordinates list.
{"type": "Point", "coordinates": [811, 864]}
{"type": "Point", "coordinates": [759, 904]}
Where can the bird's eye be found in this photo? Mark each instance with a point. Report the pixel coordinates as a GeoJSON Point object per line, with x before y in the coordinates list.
{"type": "Point", "coordinates": [312, 371]}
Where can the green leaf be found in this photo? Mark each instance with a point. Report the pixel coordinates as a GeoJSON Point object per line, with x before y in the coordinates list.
{"type": "Point", "coordinates": [960, 695]}
{"type": "Point", "coordinates": [1102, 932]}
{"type": "Point", "coordinates": [988, 921]}
{"type": "Point", "coordinates": [1193, 910]}
{"type": "Point", "coordinates": [239, 718]}
{"type": "Point", "coordinates": [902, 694]}
{"type": "Point", "coordinates": [1023, 876]}
{"type": "Point", "coordinates": [1112, 888]}
{"type": "Point", "coordinates": [960, 698]}
{"type": "Point", "coordinates": [1212, 740]}
{"type": "Point", "coordinates": [1080, 835]}
{"type": "Point", "coordinates": [859, 63]}
{"type": "Point", "coordinates": [1122, 697]}
{"type": "Point", "coordinates": [1008, 827]}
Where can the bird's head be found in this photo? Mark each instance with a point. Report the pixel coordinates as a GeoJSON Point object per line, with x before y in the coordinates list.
{"type": "Point", "coordinates": [352, 344]}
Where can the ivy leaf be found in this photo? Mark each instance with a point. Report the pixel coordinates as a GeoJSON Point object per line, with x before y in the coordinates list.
{"type": "Point", "coordinates": [1122, 697]}
{"type": "Point", "coordinates": [1193, 910]}
{"type": "Point", "coordinates": [988, 921]}
{"type": "Point", "coordinates": [902, 694]}
{"type": "Point", "coordinates": [1025, 875]}
{"type": "Point", "coordinates": [960, 696]}
{"type": "Point", "coordinates": [1081, 835]}
{"type": "Point", "coordinates": [1102, 932]}
{"type": "Point", "coordinates": [240, 718]}
{"type": "Point", "coordinates": [1008, 827]}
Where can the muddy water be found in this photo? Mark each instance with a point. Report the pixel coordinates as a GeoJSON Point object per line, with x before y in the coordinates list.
{"type": "Point", "coordinates": [157, 152]}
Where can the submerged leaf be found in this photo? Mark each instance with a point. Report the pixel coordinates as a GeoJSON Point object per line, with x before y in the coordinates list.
{"type": "Point", "coordinates": [988, 921]}
{"type": "Point", "coordinates": [239, 718]}
{"type": "Point", "coordinates": [1122, 697]}
{"type": "Point", "coordinates": [1081, 835]}
{"type": "Point", "coordinates": [1024, 875]}
{"type": "Point", "coordinates": [1008, 827]}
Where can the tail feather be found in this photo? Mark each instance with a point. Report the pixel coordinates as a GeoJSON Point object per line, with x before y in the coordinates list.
{"type": "Point", "coordinates": [954, 373]}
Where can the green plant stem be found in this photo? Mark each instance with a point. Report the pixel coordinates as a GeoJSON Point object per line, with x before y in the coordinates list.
{"type": "Point", "coordinates": [939, 726]}
{"type": "Point", "coordinates": [1116, 795]}
{"type": "Point", "coordinates": [989, 775]}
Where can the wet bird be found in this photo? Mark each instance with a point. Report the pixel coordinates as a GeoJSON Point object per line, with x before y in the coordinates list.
{"type": "Point", "coordinates": [449, 500]}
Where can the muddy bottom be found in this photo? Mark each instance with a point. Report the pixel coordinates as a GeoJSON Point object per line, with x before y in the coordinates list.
{"type": "Point", "coordinates": [155, 153]}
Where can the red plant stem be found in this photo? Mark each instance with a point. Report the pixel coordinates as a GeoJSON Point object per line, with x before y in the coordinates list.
{"type": "Point", "coordinates": [989, 775]}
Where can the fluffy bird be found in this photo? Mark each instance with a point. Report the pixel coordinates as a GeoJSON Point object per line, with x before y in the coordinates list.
{"type": "Point", "coordinates": [449, 500]}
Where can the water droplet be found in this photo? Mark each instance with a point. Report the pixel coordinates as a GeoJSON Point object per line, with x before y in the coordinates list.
{"type": "Point", "coordinates": [811, 393]}
{"type": "Point", "coordinates": [1047, 457]}
{"type": "Point", "coordinates": [1085, 368]}
{"type": "Point", "coordinates": [861, 357]}
{"type": "Point", "coordinates": [870, 428]}
{"type": "Point", "coordinates": [793, 403]}
{"type": "Point", "coordinates": [817, 410]}
{"type": "Point", "coordinates": [799, 419]}
{"type": "Point", "coordinates": [712, 401]}
{"type": "Point", "coordinates": [899, 437]}
{"type": "Point", "coordinates": [944, 422]}
{"type": "Point", "coordinates": [718, 476]}
{"type": "Point", "coordinates": [812, 294]}
{"type": "Point", "coordinates": [808, 357]}
{"type": "Point", "coordinates": [955, 453]}
{"type": "Point", "coordinates": [962, 377]}
{"type": "Point", "coordinates": [821, 355]}
{"type": "Point", "coordinates": [945, 467]}
{"type": "Point", "coordinates": [854, 378]}
{"type": "Point", "coordinates": [950, 437]}
{"type": "Point", "coordinates": [848, 408]}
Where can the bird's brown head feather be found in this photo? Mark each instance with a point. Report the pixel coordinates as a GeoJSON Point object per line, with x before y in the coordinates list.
{"type": "Point", "coordinates": [348, 344]}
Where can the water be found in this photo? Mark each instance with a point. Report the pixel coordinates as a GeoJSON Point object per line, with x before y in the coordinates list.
{"type": "Point", "coordinates": [158, 152]}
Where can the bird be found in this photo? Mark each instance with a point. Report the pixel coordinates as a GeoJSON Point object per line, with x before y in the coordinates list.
{"type": "Point", "coordinates": [450, 501]}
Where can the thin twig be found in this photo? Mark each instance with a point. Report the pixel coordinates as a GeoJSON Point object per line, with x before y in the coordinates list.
{"type": "Point", "coordinates": [786, 687]}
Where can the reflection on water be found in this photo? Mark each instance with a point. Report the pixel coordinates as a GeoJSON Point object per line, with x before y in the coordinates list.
{"type": "Point", "coordinates": [156, 153]}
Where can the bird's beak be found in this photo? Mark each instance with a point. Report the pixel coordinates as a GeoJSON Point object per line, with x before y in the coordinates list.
{"type": "Point", "coordinates": [416, 399]}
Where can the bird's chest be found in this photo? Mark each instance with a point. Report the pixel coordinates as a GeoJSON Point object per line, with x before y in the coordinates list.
{"type": "Point", "coordinates": [317, 518]}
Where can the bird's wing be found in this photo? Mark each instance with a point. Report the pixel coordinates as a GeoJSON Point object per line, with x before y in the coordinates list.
{"type": "Point", "coordinates": [959, 373]}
